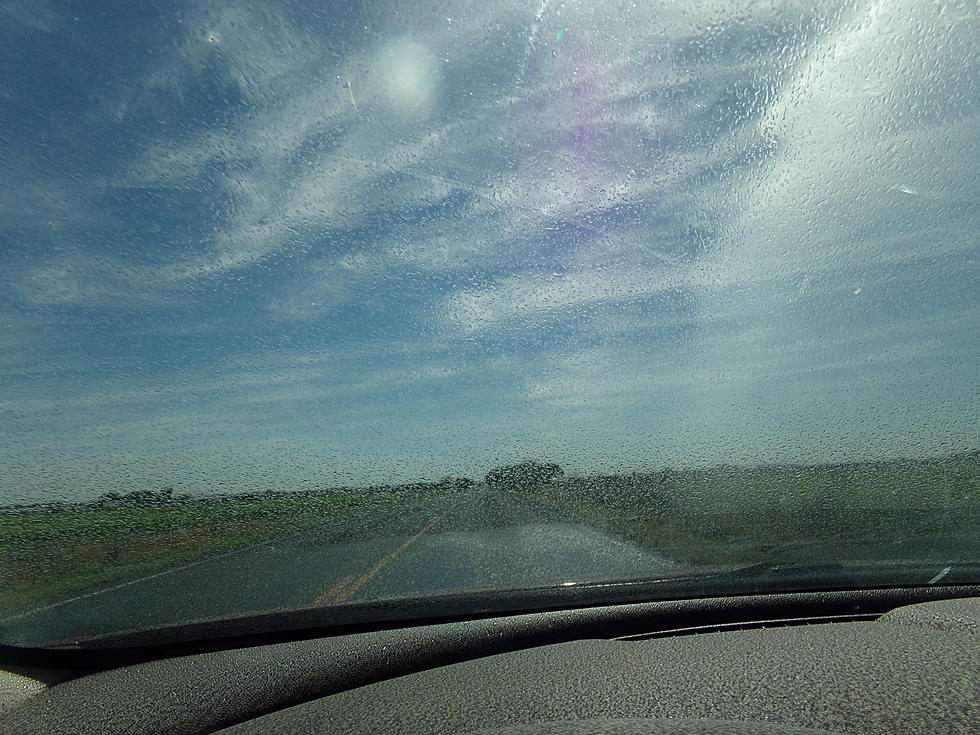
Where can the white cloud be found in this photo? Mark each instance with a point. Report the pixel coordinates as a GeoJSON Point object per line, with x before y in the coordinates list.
{"type": "Point", "coordinates": [528, 299]}
{"type": "Point", "coordinates": [338, 185]}
{"type": "Point", "coordinates": [671, 224]}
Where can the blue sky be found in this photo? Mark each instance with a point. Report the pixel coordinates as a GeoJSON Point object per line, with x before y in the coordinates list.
{"type": "Point", "coordinates": [246, 246]}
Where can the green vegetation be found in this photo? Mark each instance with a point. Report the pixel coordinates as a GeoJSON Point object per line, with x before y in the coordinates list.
{"type": "Point", "coordinates": [57, 552]}
{"type": "Point", "coordinates": [927, 510]}
{"type": "Point", "coordinates": [523, 476]}
{"type": "Point", "coordinates": [859, 511]}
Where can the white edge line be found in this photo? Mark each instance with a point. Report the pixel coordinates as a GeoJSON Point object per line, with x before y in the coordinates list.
{"type": "Point", "coordinates": [171, 570]}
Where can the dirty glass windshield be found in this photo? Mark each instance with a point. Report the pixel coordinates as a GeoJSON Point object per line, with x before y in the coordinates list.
{"type": "Point", "coordinates": [312, 306]}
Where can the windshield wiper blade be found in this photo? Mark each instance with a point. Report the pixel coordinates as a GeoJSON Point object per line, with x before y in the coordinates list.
{"type": "Point", "coordinates": [788, 576]}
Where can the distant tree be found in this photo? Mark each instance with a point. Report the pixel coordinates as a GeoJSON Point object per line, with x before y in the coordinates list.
{"type": "Point", "coordinates": [137, 498]}
{"type": "Point", "coordinates": [455, 484]}
{"type": "Point", "coordinates": [523, 476]}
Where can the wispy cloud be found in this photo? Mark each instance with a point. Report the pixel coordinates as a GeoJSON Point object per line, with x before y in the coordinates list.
{"type": "Point", "coordinates": [379, 244]}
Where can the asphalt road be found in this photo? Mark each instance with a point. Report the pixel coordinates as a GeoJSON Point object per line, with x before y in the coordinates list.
{"type": "Point", "coordinates": [468, 541]}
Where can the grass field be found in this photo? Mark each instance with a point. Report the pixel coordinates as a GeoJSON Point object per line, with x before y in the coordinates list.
{"type": "Point", "coordinates": [49, 556]}
{"type": "Point", "coordinates": [862, 511]}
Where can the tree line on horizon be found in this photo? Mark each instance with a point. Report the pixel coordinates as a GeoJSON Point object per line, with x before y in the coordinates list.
{"type": "Point", "coordinates": [525, 476]}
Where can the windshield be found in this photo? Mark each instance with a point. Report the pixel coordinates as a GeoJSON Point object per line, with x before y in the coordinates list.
{"type": "Point", "coordinates": [312, 306]}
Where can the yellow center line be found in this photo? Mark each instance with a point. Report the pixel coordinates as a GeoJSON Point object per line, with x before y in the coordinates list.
{"type": "Point", "coordinates": [344, 589]}
{"type": "Point", "coordinates": [336, 589]}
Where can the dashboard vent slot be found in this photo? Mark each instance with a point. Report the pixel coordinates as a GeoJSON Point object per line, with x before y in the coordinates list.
{"type": "Point", "coordinates": [751, 625]}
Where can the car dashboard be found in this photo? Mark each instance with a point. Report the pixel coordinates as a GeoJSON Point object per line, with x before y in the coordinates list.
{"type": "Point", "coordinates": [871, 661]}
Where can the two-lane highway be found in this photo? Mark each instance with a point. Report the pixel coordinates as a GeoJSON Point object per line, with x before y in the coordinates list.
{"type": "Point", "coordinates": [451, 543]}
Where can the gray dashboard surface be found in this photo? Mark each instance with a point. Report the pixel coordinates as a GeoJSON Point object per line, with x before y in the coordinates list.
{"type": "Point", "coordinates": [650, 727]}
{"type": "Point", "coordinates": [16, 688]}
{"type": "Point", "coordinates": [908, 671]}
{"type": "Point", "coordinates": [893, 675]}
